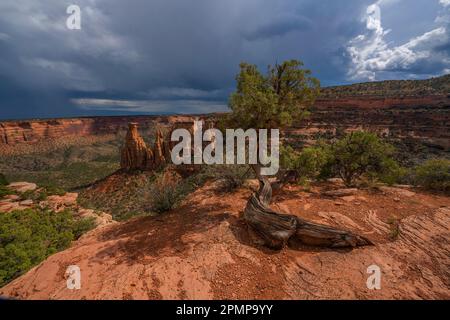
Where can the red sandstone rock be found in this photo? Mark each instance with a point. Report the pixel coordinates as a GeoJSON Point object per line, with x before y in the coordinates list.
{"type": "Point", "coordinates": [22, 186]}
{"type": "Point", "coordinates": [423, 118]}
{"type": "Point", "coordinates": [135, 154]}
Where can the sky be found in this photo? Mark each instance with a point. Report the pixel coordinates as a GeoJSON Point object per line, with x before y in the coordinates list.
{"type": "Point", "coordinates": [182, 56]}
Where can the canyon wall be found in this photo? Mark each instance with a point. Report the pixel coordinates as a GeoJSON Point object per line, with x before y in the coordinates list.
{"type": "Point", "coordinates": [426, 119]}
{"type": "Point", "coordinates": [31, 131]}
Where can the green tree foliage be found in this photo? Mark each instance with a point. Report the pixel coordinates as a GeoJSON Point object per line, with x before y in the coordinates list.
{"type": "Point", "coordinates": [355, 155]}
{"type": "Point", "coordinates": [434, 174]}
{"type": "Point", "coordinates": [4, 190]}
{"type": "Point", "coordinates": [3, 181]}
{"type": "Point", "coordinates": [273, 100]}
{"type": "Point", "coordinates": [309, 163]}
{"type": "Point", "coordinates": [359, 153]}
{"type": "Point", "coordinates": [28, 237]}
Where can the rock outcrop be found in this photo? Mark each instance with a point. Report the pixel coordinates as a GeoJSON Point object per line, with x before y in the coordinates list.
{"type": "Point", "coordinates": [136, 155]}
{"type": "Point", "coordinates": [56, 203]}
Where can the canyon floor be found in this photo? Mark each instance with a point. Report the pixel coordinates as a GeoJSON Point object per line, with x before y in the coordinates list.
{"type": "Point", "coordinates": [202, 250]}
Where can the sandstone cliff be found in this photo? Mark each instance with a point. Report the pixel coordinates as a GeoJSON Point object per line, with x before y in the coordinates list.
{"type": "Point", "coordinates": [31, 131]}
{"type": "Point", "coordinates": [426, 119]}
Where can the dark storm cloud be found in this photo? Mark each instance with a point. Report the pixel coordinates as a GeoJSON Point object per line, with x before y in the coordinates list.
{"type": "Point", "coordinates": [279, 27]}
{"type": "Point", "coordinates": [162, 56]}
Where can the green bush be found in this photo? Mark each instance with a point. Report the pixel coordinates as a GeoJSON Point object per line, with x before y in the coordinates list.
{"type": "Point", "coordinates": [310, 163]}
{"type": "Point", "coordinates": [288, 157]}
{"type": "Point", "coordinates": [48, 191]}
{"type": "Point", "coordinates": [4, 191]}
{"type": "Point", "coordinates": [81, 226]}
{"type": "Point", "coordinates": [165, 195]}
{"type": "Point", "coordinates": [391, 172]}
{"type": "Point", "coordinates": [360, 153]}
{"type": "Point", "coordinates": [29, 236]}
{"type": "Point", "coordinates": [355, 155]}
{"type": "Point", "coordinates": [3, 181]}
{"type": "Point", "coordinates": [231, 177]}
{"type": "Point", "coordinates": [434, 174]}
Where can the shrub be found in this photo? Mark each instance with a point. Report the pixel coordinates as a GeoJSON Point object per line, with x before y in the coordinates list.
{"type": "Point", "coordinates": [165, 194]}
{"type": "Point", "coordinates": [394, 224]}
{"type": "Point", "coordinates": [310, 163]}
{"type": "Point", "coordinates": [3, 180]}
{"type": "Point", "coordinates": [81, 226]}
{"type": "Point", "coordinates": [391, 172]}
{"type": "Point", "coordinates": [231, 177]}
{"type": "Point", "coordinates": [48, 191]}
{"type": "Point", "coordinates": [29, 236]}
{"type": "Point", "coordinates": [434, 174]}
{"type": "Point", "coordinates": [359, 153]}
{"type": "Point", "coordinates": [4, 191]}
{"type": "Point", "coordinates": [288, 157]}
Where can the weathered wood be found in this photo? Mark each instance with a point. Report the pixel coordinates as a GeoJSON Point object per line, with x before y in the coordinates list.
{"type": "Point", "coordinates": [326, 236]}
{"type": "Point", "coordinates": [275, 229]}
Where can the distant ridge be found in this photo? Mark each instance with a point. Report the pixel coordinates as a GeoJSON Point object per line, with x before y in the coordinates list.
{"type": "Point", "coordinates": [390, 88]}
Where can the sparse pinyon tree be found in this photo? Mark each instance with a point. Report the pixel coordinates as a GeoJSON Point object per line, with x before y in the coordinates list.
{"type": "Point", "coordinates": [275, 101]}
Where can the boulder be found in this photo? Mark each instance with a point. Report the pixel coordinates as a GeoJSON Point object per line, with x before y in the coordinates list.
{"type": "Point", "coordinates": [10, 206]}
{"type": "Point", "coordinates": [101, 218]}
{"type": "Point", "coordinates": [348, 198]}
{"type": "Point", "coordinates": [59, 203]}
{"type": "Point", "coordinates": [11, 197]}
{"type": "Point", "coordinates": [28, 202]}
{"type": "Point", "coordinates": [22, 186]}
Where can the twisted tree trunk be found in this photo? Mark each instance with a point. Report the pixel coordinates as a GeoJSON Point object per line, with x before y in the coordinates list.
{"type": "Point", "coordinates": [275, 229]}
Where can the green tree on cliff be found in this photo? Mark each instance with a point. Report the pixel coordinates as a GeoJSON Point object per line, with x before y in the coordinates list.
{"type": "Point", "coordinates": [272, 100]}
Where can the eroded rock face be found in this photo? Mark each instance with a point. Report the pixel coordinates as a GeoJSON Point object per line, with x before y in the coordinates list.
{"type": "Point", "coordinates": [136, 155]}
{"type": "Point", "coordinates": [424, 119]}
{"type": "Point", "coordinates": [13, 133]}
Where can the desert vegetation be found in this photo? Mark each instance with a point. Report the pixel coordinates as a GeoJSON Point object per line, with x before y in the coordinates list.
{"type": "Point", "coordinates": [433, 174]}
{"type": "Point", "coordinates": [70, 165]}
{"type": "Point", "coordinates": [362, 159]}
{"type": "Point", "coordinates": [29, 236]}
{"type": "Point", "coordinates": [357, 154]}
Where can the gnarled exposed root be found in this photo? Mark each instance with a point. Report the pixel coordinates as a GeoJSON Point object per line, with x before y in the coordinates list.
{"type": "Point", "coordinates": [275, 229]}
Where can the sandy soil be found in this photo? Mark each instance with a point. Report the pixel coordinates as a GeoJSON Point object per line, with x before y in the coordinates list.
{"type": "Point", "coordinates": [202, 251]}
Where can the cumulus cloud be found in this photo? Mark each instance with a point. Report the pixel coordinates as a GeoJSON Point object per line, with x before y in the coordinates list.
{"type": "Point", "coordinates": [372, 55]}
{"type": "Point", "coordinates": [445, 3]}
